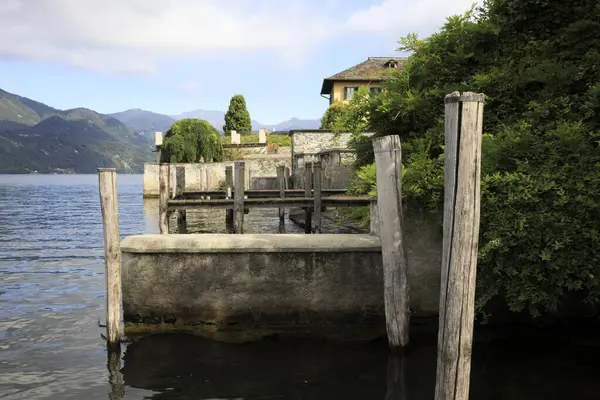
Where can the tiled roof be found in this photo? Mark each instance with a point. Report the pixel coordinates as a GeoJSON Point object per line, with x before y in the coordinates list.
{"type": "Point", "coordinates": [373, 69]}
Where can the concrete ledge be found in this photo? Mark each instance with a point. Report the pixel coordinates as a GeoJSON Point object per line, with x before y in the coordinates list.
{"type": "Point", "coordinates": [250, 243]}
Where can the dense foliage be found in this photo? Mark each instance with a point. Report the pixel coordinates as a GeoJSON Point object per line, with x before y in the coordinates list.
{"type": "Point", "coordinates": [190, 140]}
{"type": "Point", "coordinates": [333, 113]}
{"type": "Point", "coordinates": [237, 117]}
{"type": "Point", "coordinates": [537, 62]}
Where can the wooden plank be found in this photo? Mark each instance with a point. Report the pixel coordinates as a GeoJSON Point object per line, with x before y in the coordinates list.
{"type": "Point", "coordinates": [462, 169]}
{"type": "Point", "coordinates": [287, 202]}
{"type": "Point", "coordinates": [238, 209]}
{"type": "Point", "coordinates": [107, 183]}
{"type": "Point", "coordinates": [388, 160]}
{"type": "Point", "coordinates": [374, 218]}
{"type": "Point", "coordinates": [307, 193]}
{"type": "Point", "coordinates": [179, 189]}
{"type": "Point", "coordinates": [258, 193]}
{"type": "Point", "coordinates": [228, 193]}
{"type": "Point", "coordinates": [163, 201]}
{"type": "Point", "coordinates": [317, 195]}
{"type": "Point", "coordinates": [281, 184]}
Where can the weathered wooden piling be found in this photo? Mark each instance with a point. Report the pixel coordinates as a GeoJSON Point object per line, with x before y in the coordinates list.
{"type": "Point", "coordinates": [163, 200]}
{"type": "Point", "coordinates": [307, 193]}
{"type": "Point", "coordinates": [462, 166]}
{"type": "Point", "coordinates": [281, 184]}
{"type": "Point", "coordinates": [238, 197]}
{"type": "Point", "coordinates": [388, 160]}
{"type": "Point", "coordinates": [107, 183]}
{"type": "Point", "coordinates": [179, 191]}
{"type": "Point", "coordinates": [374, 218]}
{"type": "Point", "coordinates": [229, 191]}
{"type": "Point", "coordinates": [317, 194]}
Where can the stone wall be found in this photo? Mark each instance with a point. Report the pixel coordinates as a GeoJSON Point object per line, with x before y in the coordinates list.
{"type": "Point", "coordinates": [211, 176]}
{"type": "Point", "coordinates": [315, 141]}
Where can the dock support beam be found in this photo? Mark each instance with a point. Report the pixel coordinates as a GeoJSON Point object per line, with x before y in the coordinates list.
{"type": "Point", "coordinates": [281, 184]}
{"type": "Point", "coordinates": [307, 193]}
{"type": "Point", "coordinates": [163, 200]}
{"type": "Point", "coordinates": [107, 183]}
{"type": "Point", "coordinates": [228, 193]}
{"type": "Point", "coordinates": [462, 171]}
{"type": "Point", "coordinates": [238, 197]}
{"type": "Point", "coordinates": [388, 162]}
{"type": "Point", "coordinates": [317, 195]}
{"type": "Point", "coordinates": [179, 191]}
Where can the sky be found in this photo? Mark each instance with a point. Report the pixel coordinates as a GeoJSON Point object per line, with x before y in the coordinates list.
{"type": "Point", "coordinates": [172, 56]}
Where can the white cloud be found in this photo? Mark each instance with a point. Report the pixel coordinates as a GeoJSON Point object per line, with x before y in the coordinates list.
{"type": "Point", "coordinates": [132, 35]}
{"type": "Point", "coordinates": [397, 17]}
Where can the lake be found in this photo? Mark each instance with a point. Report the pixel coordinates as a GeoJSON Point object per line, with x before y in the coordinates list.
{"type": "Point", "coordinates": [52, 298]}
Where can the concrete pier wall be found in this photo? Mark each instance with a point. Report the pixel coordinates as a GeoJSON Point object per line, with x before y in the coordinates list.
{"type": "Point", "coordinates": [246, 287]}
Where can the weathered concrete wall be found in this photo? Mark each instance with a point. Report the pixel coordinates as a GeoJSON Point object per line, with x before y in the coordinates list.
{"type": "Point", "coordinates": [210, 176]}
{"type": "Point", "coordinates": [245, 287]}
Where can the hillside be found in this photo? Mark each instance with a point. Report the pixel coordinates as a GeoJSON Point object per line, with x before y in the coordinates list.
{"type": "Point", "coordinates": [144, 121]}
{"type": "Point", "coordinates": [38, 138]}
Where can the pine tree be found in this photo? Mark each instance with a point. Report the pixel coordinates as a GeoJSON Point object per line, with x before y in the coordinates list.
{"type": "Point", "coordinates": [237, 117]}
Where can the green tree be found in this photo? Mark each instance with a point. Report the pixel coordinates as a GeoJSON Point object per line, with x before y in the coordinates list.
{"type": "Point", "coordinates": [237, 117]}
{"type": "Point", "coordinates": [188, 140]}
{"type": "Point", "coordinates": [332, 114]}
{"type": "Point", "coordinates": [536, 62]}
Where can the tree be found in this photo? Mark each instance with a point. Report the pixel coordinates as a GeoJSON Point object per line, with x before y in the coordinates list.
{"type": "Point", "coordinates": [536, 62]}
{"type": "Point", "coordinates": [237, 117]}
{"type": "Point", "coordinates": [188, 140]}
{"type": "Point", "coordinates": [333, 113]}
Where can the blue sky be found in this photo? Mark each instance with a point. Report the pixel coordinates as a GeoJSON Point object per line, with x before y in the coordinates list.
{"type": "Point", "coordinates": [180, 55]}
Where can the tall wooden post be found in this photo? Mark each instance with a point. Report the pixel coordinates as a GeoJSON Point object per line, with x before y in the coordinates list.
{"type": "Point", "coordinates": [317, 194]}
{"type": "Point", "coordinates": [307, 193]}
{"type": "Point", "coordinates": [238, 197]}
{"type": "Point", "coordinates": [462, 166]}
{"type": "Point", "coordinates": [281, 184]}
{"type": "Point", "coordinates": [179, 191]}
{"type": "Point", "coordinates": [287, 177]}
{"type": "Point", "coordinates": [229, 191]}
{"type": "Point", "coordinates": [388, 160]}
{"type": "Point", "coordinates": [374, 218]}
{"type": "Point", "coordinates": [163, 199]}
{"type": "Point", "coordinates": [107, 183]}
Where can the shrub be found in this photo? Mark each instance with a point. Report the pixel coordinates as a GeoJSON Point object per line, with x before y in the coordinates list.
{"type": "Point", "coordinates": [188, 140]}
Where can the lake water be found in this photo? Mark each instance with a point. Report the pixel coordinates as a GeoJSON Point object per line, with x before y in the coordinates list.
{"type": "Point", "coordinates": [52, 297]}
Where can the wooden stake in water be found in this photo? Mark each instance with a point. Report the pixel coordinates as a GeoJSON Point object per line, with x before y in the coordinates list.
{"type": "Point", "coordinates": [317, 194]}
{"type": "Point", "coordinates": [307, 193]}
{"type": "Point", "coordinates": [238, 197]}
{"type": "Point", "coordinates": [388, 160]}
{"type": "Point", "coordinates": [163, 200]}
{"type": "Point", "coordinates": [281, 184]}
{"type": "Point", "coordinates": [107, 183]}
{"type": "Point", "coordinates": [462, 166]}
{"type": "Point", "coordinates": [179, 191]}
{"type": "Point", "coordinates": [229, 192]}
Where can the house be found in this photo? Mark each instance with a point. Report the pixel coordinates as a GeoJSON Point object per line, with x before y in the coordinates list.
{"type": "Point", "coordinates": [369, 73]}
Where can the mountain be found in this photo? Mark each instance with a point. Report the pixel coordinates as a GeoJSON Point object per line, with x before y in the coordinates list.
{"type": "Point", "coordinates": [35, 137]}
{"type": "Point", "coordinates": [217, 119]}
{"type": "Point", "coordinates": [144, 121]}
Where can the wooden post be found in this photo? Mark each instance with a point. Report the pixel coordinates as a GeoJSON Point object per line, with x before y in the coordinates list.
{"type": "Point", "coordinates": [287, 177]}
{"type": "Point", "coordinates": [179, 191]}
{"type": "Point", "coordinates": [238, 197]}
{"type": "Point", "coordinates": [388, 160]}
{"type": "Point", "coordinates": [229, 189]}
{"type": "Point", "coordinates": [163, 200]}
{"type": "Point", "coordinates": [281, 184]}
{"type": "Point", "coordinates": [374, 218]}
{"type": "Point", "coordinates": [317, 194]}
{"type": "Point", "coordinates": [107, 183]}
{"type": "Point", "coordinates": [462, 166]}
{"type": "Point", "coordinates": [307, 193]}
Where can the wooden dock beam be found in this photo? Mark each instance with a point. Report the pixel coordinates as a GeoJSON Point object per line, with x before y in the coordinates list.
{"type": "Point", "coordinates": [179, 190]}
{"type": "Point", "coordinates": [307, 193]}
{"type": "Point", "coordinates": [238, 197]}
{"type": "Point", "coordinates": [317, 195]}
{"type": "Point", "coordinates": [163, 200]}
{"type": "Point", "coordinates": [281, 184]}
{"type": "Point", "coordinates": [388, 160]}
{"type": "Point", "coordinates": [107, 183]}
{"type": "Point", "coordinates": [462, 169]}
{"type": "Point", "coordinates": [228, 193]}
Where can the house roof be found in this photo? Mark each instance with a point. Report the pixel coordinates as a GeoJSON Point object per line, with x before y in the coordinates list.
{"type": "Point", "coordinates": [371, 70]}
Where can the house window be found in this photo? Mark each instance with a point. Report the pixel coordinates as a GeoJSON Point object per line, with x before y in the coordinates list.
{"type": "Point", "coordinates": [375, 90]}
{"type": "Point", "coordinates": [392, 64]}
{"type": "Point", "coordinates": [349, 92]}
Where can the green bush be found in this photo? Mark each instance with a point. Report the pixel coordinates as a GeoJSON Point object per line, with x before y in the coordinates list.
{"type": "Point", "coordinates": [332, 114]}
{"type": "Point", "coordinates": [536, 62]}
{"type": "Point", "coordinates": [189, 139]}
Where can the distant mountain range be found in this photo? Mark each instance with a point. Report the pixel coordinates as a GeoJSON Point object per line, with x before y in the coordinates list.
{"type": "Point", "coordinates": [37, 138]}
{"type": "Point", "coordinates": [147, 121]}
